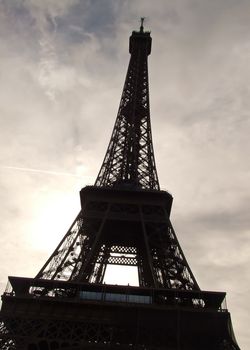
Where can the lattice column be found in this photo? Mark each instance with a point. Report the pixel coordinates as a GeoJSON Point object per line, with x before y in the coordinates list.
{"type": "Point", "coordinates": [130, 158]}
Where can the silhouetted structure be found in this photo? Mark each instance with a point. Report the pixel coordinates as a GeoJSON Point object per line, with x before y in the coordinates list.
{"type": "Point", "coordinates": [124, 220]}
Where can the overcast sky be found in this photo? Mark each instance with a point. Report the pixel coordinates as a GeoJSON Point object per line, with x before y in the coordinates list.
{"type": "Point", "coordinates": [62, 70]}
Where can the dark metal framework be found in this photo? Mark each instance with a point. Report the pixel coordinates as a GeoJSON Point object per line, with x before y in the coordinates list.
{"type": "Point", "coordinates": [69, 315]}
{"type": "Point", "coordinates": [124, 220]}
{"type": "Point", "coordinates": [130, 156]}
{"type": "Point", "coordinates": [146, 239]}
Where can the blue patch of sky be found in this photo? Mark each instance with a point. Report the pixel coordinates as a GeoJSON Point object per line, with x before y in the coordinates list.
{"type": "Point", "coordinates": [97, 18]}
{"type": "Point", "coordinates": [19, 28]}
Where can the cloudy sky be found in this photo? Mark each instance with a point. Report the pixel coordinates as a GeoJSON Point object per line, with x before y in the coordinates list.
{"type": "Point", "coordinates": [63, 65]}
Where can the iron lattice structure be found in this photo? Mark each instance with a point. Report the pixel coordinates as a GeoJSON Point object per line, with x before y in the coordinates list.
{"type": "Point", "coordinates": [130, 156]}
{"type": "Point", "coordinates": [124, 220]}
{"type": "Point", "coordinates": [89, 246]}
{"type": "Point", "coordinates": [85, 251]}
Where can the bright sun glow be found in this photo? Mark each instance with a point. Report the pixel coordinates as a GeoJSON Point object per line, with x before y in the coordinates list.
{"type": "Point", "coordinates": [52, 221]}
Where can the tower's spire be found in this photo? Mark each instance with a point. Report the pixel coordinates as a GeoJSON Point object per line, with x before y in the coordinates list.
{"type": "Point", "coordinates": [129, 159]}
{"type": "Point", "coordinates": [141, 27]}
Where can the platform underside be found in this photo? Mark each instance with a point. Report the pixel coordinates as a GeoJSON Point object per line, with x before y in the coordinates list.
{"type": "Point", "coordinates": [115, 318]}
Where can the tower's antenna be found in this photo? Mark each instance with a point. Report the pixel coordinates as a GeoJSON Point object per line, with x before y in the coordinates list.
{"type": "Point", "coordinates": [142, 21]}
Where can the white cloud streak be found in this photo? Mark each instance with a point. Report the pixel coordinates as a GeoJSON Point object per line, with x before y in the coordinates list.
{"type": "Point", "coordinates": [40, 171]}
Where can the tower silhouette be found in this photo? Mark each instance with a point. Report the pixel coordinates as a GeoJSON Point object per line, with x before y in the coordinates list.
{"type": "Point", "coordinates": [124, 220]}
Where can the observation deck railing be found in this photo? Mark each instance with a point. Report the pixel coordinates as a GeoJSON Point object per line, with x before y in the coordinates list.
{"type": "Point", "coordinates": [20, 287]}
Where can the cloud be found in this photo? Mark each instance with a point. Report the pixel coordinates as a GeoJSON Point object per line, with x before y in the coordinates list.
{"type": "Point", "coordinates": [39, 171]}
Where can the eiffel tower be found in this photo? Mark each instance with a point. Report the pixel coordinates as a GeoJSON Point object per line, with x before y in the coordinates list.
{"type": "Point", "coordinates": [124, 220]}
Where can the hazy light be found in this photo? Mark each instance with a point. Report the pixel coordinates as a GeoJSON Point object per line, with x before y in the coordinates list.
{"type": "Point", "coordinates": [121, 275]}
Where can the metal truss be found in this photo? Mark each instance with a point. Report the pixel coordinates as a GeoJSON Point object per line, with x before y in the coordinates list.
{"type": "Point", "coordinates": [41, 334]}
{"type": "Point", "coordinates": [130, 158]}
{"type": "Point", "coordinates": [48, 334]}
{"type": "Point", "coordinates": [170, 267]}
{"type": "Point", "coordinates": [87, 248]}
{"type": "Point", "coordinates": [67, 255]}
